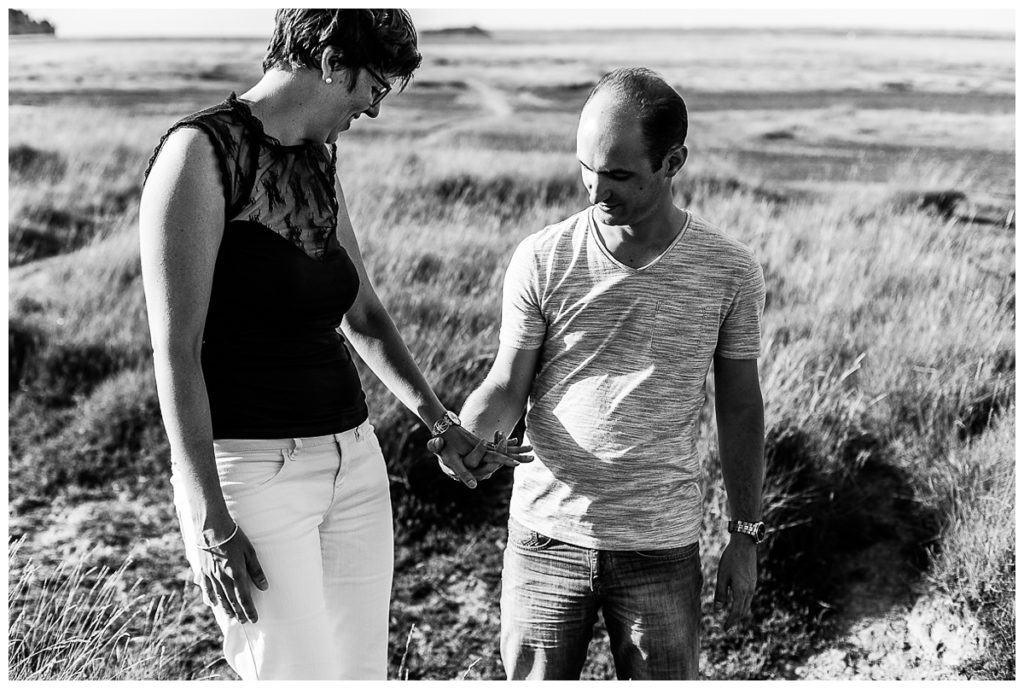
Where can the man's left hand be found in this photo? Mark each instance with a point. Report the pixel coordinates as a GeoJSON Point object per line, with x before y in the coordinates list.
{"type": "Point", "coordinates": [737, 578]}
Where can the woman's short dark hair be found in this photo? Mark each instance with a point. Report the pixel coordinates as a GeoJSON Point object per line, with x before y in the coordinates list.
{"type": "Point", "coordinates": [660, 109]}
{"type": "Point", "coordinates": [382, 39]}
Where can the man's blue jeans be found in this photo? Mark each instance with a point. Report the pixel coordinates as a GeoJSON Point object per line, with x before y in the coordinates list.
{"type": "Point", "coordinates": [551, 592]}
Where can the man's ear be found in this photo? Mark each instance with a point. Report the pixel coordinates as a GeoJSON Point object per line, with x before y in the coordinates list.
{"type": "Point", "coordinates": [674, 160]}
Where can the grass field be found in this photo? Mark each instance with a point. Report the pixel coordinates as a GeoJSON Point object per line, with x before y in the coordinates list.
{"type": "Point", "coordinates": [872, 175]}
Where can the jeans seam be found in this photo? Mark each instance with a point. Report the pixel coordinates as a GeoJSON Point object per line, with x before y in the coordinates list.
{"type": "Point", "coordinates": [252, 654]}
{"type": "Point", "coordinates": [339, 475]}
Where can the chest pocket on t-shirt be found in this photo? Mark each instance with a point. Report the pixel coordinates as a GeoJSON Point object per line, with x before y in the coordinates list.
{"type": "Point", "coordinates": [685, 338]}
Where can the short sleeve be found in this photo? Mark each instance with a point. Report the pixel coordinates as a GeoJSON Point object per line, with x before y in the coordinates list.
{"type": "Point", "coordinates": [225, 148]}
{"type": "Point", "coordinates": [522, 322]}
{"type": "Point", "coordinates": [740, 334]}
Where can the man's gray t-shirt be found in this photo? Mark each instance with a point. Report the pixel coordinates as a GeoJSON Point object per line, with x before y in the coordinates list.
{"type": "Point", "coordinates": [625, 353]}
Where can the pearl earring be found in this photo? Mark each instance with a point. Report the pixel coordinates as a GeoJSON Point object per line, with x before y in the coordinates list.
{"type": "Point", "coordinates": [328, 80]}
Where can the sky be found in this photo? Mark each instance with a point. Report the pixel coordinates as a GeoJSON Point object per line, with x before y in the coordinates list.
{"type": "Point", "coordinates": [247, 19]}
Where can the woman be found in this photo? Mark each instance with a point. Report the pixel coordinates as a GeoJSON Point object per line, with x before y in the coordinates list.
{"type": "Point", "coordinates": [249, 264]}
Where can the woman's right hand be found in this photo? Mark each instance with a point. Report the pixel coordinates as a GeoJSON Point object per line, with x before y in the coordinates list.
{"type": "Point", "coordinates": [228, 571]}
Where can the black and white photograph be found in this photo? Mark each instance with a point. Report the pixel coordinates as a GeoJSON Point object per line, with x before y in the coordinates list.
{"type": "Point", "coordinates": [536, 341]}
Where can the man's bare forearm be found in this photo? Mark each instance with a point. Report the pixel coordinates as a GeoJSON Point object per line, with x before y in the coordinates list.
{"type": "Point", "coordinates": [741, 449]}
{"type": "Point", "coordinates": [492, 407]}
{"type": "Point", "coordinates": [498, 403]}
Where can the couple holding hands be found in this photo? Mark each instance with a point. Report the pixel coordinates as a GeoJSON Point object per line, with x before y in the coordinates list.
{"type": "Point", "coordinates": [610, 322]}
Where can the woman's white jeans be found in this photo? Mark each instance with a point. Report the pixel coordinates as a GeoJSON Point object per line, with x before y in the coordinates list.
{"type": "Point", "coordinates": [318, 512]}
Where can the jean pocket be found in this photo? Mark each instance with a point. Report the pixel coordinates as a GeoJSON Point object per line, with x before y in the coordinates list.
{"type": "Point", "coordinates": [251, 469]}
{"type": "Point", "coordinates": [527, 539]}
{"type": "Point", "coordinates": [668, 554]}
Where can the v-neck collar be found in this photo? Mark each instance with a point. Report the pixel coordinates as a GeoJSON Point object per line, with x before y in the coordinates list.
{"type": "Point", "coordinates": [599, 241]}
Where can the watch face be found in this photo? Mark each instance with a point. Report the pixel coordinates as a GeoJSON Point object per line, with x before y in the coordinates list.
{"type": "Point", "coordinates": [760, 531]}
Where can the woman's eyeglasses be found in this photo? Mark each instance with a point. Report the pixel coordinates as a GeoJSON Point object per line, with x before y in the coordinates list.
{"type": "Point", "coordinates": [382, 91]}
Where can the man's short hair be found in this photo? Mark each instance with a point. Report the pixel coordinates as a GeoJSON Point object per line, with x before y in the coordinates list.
{"type": "Point", "coordinates": [381, 39]}
{"type": "Point", "coordinates": [660, 109]}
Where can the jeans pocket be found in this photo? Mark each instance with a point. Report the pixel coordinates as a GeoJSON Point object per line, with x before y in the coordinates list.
{"type": "Point", "coordinates": [527, 539]}
{"type": "Point", "coordinates": [251, 469]}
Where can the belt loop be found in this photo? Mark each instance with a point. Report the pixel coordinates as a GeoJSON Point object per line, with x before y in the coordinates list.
{"type": "Point", "coordinates": [298, 446]}
{"type": "Point", "coordinates": [357, 430]}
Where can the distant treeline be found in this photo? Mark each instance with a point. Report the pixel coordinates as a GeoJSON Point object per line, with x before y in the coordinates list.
{"type": "Point", "coordinates": [472, 31]}
{"type": "Point", "coordinates": [20, 23]}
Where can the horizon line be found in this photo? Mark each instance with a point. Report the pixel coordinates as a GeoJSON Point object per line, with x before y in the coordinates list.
{"type": "Point", "coordinates": [828, 29]}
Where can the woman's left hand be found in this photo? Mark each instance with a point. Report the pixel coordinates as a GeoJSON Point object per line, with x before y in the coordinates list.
{"type": "Point", "coordinates": [464, 457]}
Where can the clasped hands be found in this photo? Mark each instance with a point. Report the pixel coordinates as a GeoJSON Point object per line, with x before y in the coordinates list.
{"type": "Point", "coordinates": [466, 458]}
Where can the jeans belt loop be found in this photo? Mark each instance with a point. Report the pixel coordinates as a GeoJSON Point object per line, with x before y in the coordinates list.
{"type": "Point", "coordinates": [357, 430]}
{"type": "Point", "coordinates": [298, 446]}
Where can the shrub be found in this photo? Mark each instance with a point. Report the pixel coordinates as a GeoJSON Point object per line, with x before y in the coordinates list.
{"type": "Point", "coordinates": [27, 161]}
{"type": "Point", "coordinates": [114, 439]}
{"type": "Point", "coordinates": [59, 374]}
{"type": "Point", "coordinates": [976, 562]}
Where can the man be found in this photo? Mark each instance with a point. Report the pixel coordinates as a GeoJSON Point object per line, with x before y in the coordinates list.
{"type": "Point", "coordinates": [610, 322]}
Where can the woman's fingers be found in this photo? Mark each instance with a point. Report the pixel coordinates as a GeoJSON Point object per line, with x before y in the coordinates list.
{"type": "Point", "coordinates": [476, 456]}
{"type": "Point", "coordinates": [457, 465]}
{"type": "Point", "coordinates": [245, 606]}
{"type": "Point", "coordinates": [229, 586]}
{"type": "Point", "coordinates": [447, 472]}
{"type": "Point", "coordinates": [484, 471]}
{"type": "Point", "coordinates": [211, 593]}
{"type": "Point", "coordinates": [236, 590]}
{"type": "Point", "coordinates": [255, 569]}
{"type": "Point", "coordinates": [229, 572]}
{"type": "Point", "coordinates": [221, 597]}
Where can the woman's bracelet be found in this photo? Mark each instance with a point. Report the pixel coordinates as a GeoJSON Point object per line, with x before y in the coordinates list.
{"type": "Point", "coordinates": [209, 548]}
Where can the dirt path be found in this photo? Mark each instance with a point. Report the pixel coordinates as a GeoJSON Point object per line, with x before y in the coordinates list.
{"type": "Point", "coordinates": [495, 106]}
{"type": "Point", "coordinates": [925, 641]}
{"type": "Point", "coordinates": [493, 100]}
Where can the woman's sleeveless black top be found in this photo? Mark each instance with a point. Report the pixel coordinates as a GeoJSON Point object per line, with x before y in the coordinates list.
{"type": "Point", "coordinates": [273, 360]}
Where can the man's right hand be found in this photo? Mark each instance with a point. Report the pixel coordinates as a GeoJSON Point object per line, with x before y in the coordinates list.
{"type": "Point", "coordinates": [481, 465]}
{"type": "Point", "coordinates": [228, 571]}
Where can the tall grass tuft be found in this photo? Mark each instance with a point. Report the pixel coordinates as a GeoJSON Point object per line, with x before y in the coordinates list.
{"type": "Point", "coordinates": [976, 563]}
{"type": "Point", "coordinates": [77, 622]}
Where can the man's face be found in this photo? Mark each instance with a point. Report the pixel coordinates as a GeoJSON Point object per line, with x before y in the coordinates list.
{"type": "Point", "coordinates": [615, 166]}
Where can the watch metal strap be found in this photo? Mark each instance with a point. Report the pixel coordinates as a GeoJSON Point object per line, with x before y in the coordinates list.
{"type": "Point", "coordinates": [747, 528]}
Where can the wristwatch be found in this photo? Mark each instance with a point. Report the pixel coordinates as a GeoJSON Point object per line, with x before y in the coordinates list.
{"type": "Point", "coordinates": [756, 530]}
{"type": "Point", "coordinates": [445, 422]}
